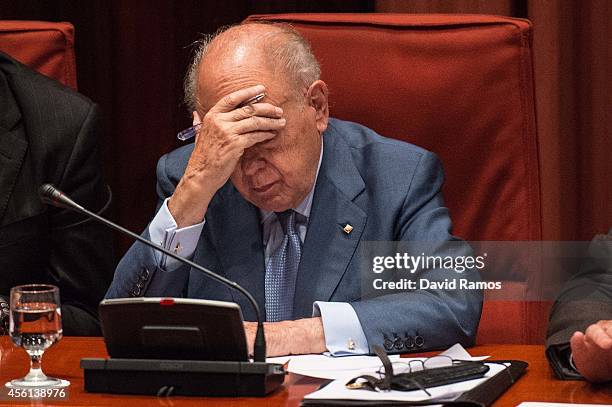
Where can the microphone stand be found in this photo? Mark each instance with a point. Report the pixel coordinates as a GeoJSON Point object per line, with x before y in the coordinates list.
{"type": "Point", "coordinates": [52, 196]}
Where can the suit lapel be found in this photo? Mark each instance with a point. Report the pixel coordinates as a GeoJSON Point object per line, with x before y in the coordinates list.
{"type": "Point", "coordinates": [328, 249]}
{"type": "Point", "coordinates": [237, 235]}
{"type": "Point", "coordinates": [13, 144]}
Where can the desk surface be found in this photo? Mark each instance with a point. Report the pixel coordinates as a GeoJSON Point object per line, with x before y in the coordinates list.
{"type": "Point", "coordinates": [62, 360]}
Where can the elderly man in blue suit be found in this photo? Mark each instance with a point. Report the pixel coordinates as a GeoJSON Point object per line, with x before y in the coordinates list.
{"type": "Point", "coordinates": [278, 196]}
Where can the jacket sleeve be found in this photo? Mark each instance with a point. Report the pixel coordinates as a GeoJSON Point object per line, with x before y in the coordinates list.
{"type": "Point", "coordinates": [585, 299]}
{"type": "Point", "coordinates": [433, 318]}
{"type": "Point", "coordinates": [138, 272]}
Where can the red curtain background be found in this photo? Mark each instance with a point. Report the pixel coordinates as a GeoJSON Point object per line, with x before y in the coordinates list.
{"type": "Point", "coordinates": [131, 58]}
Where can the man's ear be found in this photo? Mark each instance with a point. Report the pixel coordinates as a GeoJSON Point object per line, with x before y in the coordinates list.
{"type": "Point", "coordinates": [317, 99]}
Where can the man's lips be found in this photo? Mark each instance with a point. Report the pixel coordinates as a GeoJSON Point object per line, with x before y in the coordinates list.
{"type": "Point", "coordinates": [264, 188]}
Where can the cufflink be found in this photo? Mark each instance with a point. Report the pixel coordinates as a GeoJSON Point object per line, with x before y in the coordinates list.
{"type": "Point", "coordinates": [347, 228]}
{"type": "Point", "coordinates": [350, 344]}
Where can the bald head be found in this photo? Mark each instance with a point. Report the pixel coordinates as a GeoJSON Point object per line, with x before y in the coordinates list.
{"type": "Point", "coordinates": [278, 172]}
{"type": "Point", "coordinates": [235, 43]}
{"type": "Point", "coordinates": [261, 48]}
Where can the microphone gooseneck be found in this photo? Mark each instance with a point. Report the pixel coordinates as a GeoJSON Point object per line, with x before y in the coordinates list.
{"type": "Point", "coordinates": [53, 196]}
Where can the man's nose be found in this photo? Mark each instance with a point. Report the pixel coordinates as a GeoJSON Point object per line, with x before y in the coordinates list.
{"type": "Point", "coordinates": [251, 166]}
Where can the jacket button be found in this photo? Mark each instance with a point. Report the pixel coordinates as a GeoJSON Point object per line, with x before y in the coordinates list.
{"type": "Point", "coordinates": [144, 275]}
{"type": "Point", "coordinates": [388, 344]}
{"type": "Point", "coordinates": [409, 342]}
{"type": "Point", "coordinates": [398, 343]}
{"type": "Point", "coordinates": [419, 341]}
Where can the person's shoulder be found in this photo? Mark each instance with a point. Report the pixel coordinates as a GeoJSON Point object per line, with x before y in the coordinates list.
{"type": "Point", "coordinates": [390, 169]}
{"type": "Point", "coordinates": [180, 154]}
{"type": "Point", "coordinates": [38, 93]}
{"type": "Point", "coordinates": [366, 143]}
{"type": "Point", "coordinates": [173, 164]}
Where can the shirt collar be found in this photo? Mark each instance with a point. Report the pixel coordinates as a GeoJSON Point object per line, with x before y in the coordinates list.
{"type": "Point", "coordinates": [303, 207]}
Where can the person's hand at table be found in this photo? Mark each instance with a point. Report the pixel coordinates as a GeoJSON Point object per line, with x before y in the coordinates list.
{"type": "Point", "coordinates": [302, 336]}
{"type": "Point", "coordinates": [227, 131]}
{"type": "Point", "coordinates": [592, 351]}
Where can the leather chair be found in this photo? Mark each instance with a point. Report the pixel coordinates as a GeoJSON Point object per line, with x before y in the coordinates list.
{"type": "Point", "coordinates": [461, 86]}
{"type": "Point", "coordinates": [43, 46]}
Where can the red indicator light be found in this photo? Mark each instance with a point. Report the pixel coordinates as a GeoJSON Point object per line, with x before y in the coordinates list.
{"type": "Point", "coordinates": [166, 301]}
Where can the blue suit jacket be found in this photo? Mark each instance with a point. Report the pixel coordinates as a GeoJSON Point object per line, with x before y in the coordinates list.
{"type": "Point", "coordinates": [386, 189]}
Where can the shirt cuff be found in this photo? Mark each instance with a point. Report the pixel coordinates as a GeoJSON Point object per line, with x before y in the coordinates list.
{"type": "Point", "coordinates": [343, 333]}
{"type": "Point", "coordinates": [571, 362]}
{"type": "Point", "coordinates": [163, 231]}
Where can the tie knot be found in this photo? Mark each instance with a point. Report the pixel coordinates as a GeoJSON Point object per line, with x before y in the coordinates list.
{"type": "Point", "coordinates": [287, 220]}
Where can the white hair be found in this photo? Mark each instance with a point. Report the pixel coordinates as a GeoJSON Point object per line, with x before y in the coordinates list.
{"type": "Point", "coordinates": [286, 50]}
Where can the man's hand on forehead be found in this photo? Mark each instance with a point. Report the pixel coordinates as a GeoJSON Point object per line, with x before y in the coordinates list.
{"type": "Point", "coordinates": [231, 126]}
{"type": "Point", "coordinates": [239, 98]}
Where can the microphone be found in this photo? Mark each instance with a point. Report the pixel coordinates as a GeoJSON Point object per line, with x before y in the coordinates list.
{"type": "Point", "coordinates": [53, 196]}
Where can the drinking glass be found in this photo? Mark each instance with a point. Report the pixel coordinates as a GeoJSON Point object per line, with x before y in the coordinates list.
{"type": "Point", "coordinates": [35, 325]}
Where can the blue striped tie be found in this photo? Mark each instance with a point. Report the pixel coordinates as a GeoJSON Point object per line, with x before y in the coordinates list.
{"type": "Point", "coordinates": [281, 271]}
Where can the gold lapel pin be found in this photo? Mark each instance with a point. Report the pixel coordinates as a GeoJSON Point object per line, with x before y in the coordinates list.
{"type": "Point", "coordinates": [347, 228]}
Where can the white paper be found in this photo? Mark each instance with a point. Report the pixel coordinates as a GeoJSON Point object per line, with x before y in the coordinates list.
{"type": "Point", "coordinates": [458, 352]}
{"type": "Point", "coordinates": [281, 360]}
{"type": "Point", "coordinates": [329, 367]}
{"type": "Point", "coordinates": [337, 390]}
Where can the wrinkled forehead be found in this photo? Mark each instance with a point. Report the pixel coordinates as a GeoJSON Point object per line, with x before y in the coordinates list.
{"type": "Point", "coordinates": [221, 76]}
{"type": "Point", "coordinates": [237, 60]}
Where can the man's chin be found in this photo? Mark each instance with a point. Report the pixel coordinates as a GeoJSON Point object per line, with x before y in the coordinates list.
{"type": "Point", "coordinates": [269, 202]}
{"type": "Point", "coordinates": [272, 205]}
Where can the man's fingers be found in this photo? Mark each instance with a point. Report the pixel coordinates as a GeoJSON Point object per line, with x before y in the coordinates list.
{"type": "Point", "coordinates": [250, 139]}
{"type": "Point", "coordinates": [231, 101]}
{"type": "Point", "coordinates": [606, 324]}
{"type": "Point", "coordinates": [257, 123]}
{"type": "Point", "coordinates": [590, 359]}
{"type": "Point", "coordinates": [580, 350]}
{"type": "Point", "coordinates": [256, 109]}
{"type": "Point", "coordinates": [577, 342]}
{"type": "Point", "coordinates": [596, 335]}
{"type": "Point", "coordinates": [196, 118]}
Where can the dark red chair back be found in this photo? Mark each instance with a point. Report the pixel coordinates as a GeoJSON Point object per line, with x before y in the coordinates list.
{"type": "Point", "coordinates": [462, 87]}
{"type": "Point", "coordinates": [43, 46]}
